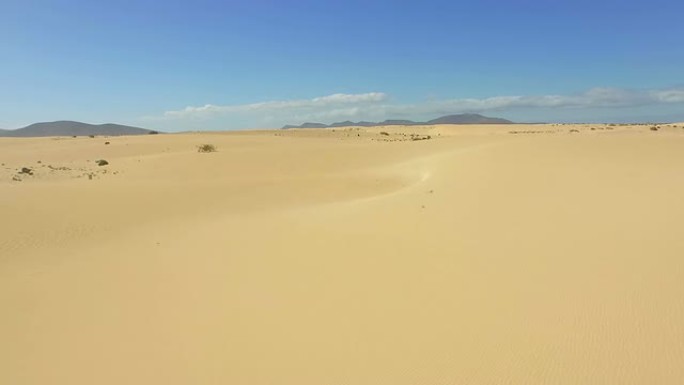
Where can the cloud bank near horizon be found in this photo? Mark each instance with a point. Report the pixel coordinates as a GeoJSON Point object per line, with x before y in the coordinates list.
{"type": "Point", "coordinates": [380, 106]}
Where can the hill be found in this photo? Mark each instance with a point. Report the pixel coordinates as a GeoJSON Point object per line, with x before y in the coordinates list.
{"type": "Point", "coordinates": [69, 128]}
{"type": "Point", "coordinates": [468, 119]}
{"type": "Point", "coordinates": [448, 119]}
{"type": "Point", "coordinates": [307, 125]}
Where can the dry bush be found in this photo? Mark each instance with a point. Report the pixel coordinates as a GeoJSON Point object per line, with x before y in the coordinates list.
{"type": "Point", "coordinates": [206, 148]}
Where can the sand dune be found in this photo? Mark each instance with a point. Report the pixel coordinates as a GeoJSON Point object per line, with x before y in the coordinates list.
{"type": "Point", "coordinates": [503, 254]}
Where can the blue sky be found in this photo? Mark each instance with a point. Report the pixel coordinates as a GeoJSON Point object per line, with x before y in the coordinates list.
{"type": "Point", "coordinates": [189, 65]}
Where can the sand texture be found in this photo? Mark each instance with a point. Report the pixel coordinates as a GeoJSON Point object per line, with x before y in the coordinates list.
{"type": "Point", "coordinates": [511, 254]}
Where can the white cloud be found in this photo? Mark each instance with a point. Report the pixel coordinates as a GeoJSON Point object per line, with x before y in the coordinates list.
{"type": "Point", "coordinates": [330, 101]}
{"type": "Point", "coordinates": [594, 98]}
{"type": "Point", "coordinates": [377, 106]}
{"type": "Point", "coordinates": [669, 96]}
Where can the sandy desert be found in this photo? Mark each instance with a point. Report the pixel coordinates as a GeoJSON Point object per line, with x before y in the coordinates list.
{"type": "Point", "coordinates": [502, 254]}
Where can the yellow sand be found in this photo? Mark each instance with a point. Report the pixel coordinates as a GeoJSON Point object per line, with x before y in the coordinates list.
{"type": "Point", "coordinates": [484, 255]}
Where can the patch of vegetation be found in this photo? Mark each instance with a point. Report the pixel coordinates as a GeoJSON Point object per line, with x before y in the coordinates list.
{"type": "Point", "coordinates": [206, 148]}
{"type": "Point", "coordinates": [384, 133]}
{"type": "Point", "coordinates": [530, 132]}
{"type": "Point", "coordinates": [415, 137]}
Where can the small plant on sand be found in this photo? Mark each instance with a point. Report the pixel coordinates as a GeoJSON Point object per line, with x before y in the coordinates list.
{"type": "Point", "coordinates": [384, 133]}
{"type": "Point", "coordinates": [206, 148]}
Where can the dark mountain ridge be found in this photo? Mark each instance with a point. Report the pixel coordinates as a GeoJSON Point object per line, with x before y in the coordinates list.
{"type": "Point", "coordinates": [70, 128]}
{"type": "Point", "coordinates": [448, 119]}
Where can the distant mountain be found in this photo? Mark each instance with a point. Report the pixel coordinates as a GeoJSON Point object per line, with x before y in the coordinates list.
{"type": "Point", "coordinates": [468, 119]}
{"type": "Point", "coordinates": [395, 122]}
{"type": "Point", "coordinates": [346, 123]}
{"type": "Point", "coordinates": [449, 119]}
{"type": "Point", "coordinates": [68, 128]}
{"type": "Point", "coordinates": [307, 125]}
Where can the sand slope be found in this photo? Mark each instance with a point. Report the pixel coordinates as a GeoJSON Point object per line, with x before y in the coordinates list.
{"type": "Point", "coordinates": [484, 255]}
